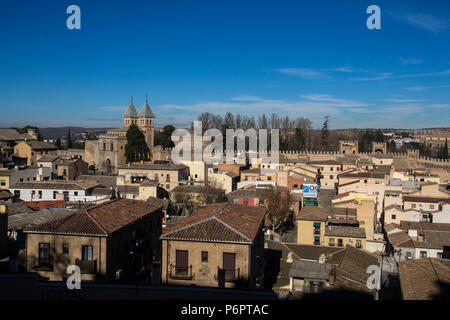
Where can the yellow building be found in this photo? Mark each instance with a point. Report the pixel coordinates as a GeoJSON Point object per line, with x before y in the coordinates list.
{"type": "Point", "coordinates": [34, 150]}
{"type": "Point", "coordinates": [330, 227]}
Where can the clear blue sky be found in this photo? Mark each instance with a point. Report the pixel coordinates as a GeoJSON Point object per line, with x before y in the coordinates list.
{"type": "Point", "coordinates": [296, 58]}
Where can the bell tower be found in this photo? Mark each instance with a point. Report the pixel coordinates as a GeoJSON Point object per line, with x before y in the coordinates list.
{"type": "Point", "coordinates": [146, 122]}
{"type": "Point", "coordinates": [130, 116]}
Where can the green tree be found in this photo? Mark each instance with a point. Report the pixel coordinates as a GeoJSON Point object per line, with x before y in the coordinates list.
{"type": "Point", "coordinates": [443, 154]}
{"type": "Point", "coordinates": [324, 133]}
{"type": "Point", "coordinates": [58, 143]}
{"type": "Point", "coordinates": [136, 147]}
{"type": "Point", "coordinates": [69, 140]}
{"type": "Point", "coordinates": [163, 138]}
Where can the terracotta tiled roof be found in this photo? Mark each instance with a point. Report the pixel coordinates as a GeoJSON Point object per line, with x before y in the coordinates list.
{"type": "Point", "coordinates": [102, 219]}
{"type": "Point", "coordinates": [39, 145]}
{"type": "Point", "coordinates": [349, 183]}
{"type": "Point", "coordinates": [321, 214]}
{"type": "Point", "coordinates": [56, 185]}
{"type": "Point", "coordinates": [45, 204]}
{"type": "Point", "coordinates": [400, 238]}
{"type": "Point", "coordinates": [424, 279]}
{"type": "Point", "coordinates": [222, 222]}
{"type": "Point", "coordinates": [425, 226]}
{"type": "Point", "coordinates": [425, 199]}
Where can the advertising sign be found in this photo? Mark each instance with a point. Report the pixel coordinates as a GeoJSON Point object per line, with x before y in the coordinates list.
{"type": "Point", "coordinates": [310, 190]}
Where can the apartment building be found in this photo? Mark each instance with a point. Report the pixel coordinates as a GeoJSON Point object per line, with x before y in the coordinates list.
{"type": "Point", "coordinates": [52, 190]}
{"type": "Point", "coordinates": [28, 174]}
{"type": "Point", "coordinates": [167, 175]}
{"type": "Point", "coordinates": [330, 226]}
{"type": "Point", "coordinates": [111, 241]}
{"type": "Point", "coordinates": [220, 245]}
{"type": "Point", "coordinates": [34, 150]}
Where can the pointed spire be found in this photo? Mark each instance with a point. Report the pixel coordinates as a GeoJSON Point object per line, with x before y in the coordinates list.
{"type": "Point", "coordinates": [131, 111]}
{"type": "Point", "coordinates": [146, 111]}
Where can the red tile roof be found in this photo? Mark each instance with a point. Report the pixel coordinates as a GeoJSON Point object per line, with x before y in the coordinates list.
{"type": "Point", "coordinates": [41, 205]}
{"type": "Point", "coordinates": [220, 222]}
{"type": "Point", "coordinates": [101, 220]}
{"type": "Point", "coordinates": [425, 199]}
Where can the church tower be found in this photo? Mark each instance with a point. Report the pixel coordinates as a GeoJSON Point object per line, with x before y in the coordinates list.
{"type": "Point", "coordinates": [146, 124]}
{"type": "Point", "coordinates": [130, 116]}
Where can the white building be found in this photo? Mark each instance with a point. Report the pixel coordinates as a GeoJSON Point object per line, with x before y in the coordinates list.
{"type": "Point", "coordinates": [64, 190]}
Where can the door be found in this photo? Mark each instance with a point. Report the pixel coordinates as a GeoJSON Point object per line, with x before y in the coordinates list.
{"type": "Point", "coordinates": [229, 265]}
{"type": "Point", "coordinates": [181, 262]}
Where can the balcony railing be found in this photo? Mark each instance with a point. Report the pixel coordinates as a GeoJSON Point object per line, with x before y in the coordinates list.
{"type": "Point", "coordinates": [87, 266]}
{"type": "Point", "coordinates": [229, 274]}
{"type": "Point", "coordinates": [180, 273]}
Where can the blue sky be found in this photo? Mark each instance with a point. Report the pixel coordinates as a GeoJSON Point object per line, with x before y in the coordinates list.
{"type": "Point", "coordinates": [295, 58]}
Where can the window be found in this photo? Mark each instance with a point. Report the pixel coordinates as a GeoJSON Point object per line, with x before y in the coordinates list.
{"type": "Point", "coordinates": [44, 253]}
{"type": "Point", "coordinates": [204, 256]}
{"type": "Point", "coordinates": [104, 146]}
{"type": "Point", "coordinates": [87, 253]}
{"type": "Point", "coordinates": [112, 147]}
{"type": "Point", "coordinates": [316, 227]}
{"type": "Point", "coordinates": [40, 194]}
{"type": "Point", "coordinates": [331, 243]}
{"type": "Point", "coordinates": [423, 254]}
{"type": "Point", "coordinates": [229, 265]}
{"type": "Point", "coordinates": [2, 183]}
{"type": "Point", "coordinates": [365, 181]}
{"type": "Point", "coordinates": [17, 193]}
{"type": "Point", "coordinates": [394, 217]}
{"type": "Point", "coordinates": [331, 168]}
{"type": "Point", "coordinates": [358, 243]}
{"type": "Point", "coordinates": [413, 205]}
{"type": "Point", "coordinates": [439, 255]}
{"type": "Point", "coordinates": [75, 193]}
{"type": "Point", "coordinates": [181, 262]}
{"type": "Point", "coordinates": [331, 177]}
{"type": "Point", "coordinates": [316, 240]}
{"type": "Point", "coordinates": [54, 194]}
{"type": "Point", "coordinates": [340, 243]}
{"type": "Point", "coordinates": [431, 206]}
{"type": "Point", "coordinates": [65, 248]}
{"type": "Point", "coordinates": [196, 176]}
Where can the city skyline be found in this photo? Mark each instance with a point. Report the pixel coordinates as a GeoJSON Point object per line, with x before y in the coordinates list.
{"type": "Point", "coordinates": [294, 59]}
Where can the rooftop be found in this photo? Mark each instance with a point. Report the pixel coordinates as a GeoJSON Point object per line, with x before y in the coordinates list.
{"type": "Point", "coordinates": [220, 222]}
{"type": "Point", "coordinates": [98, 220]}
{"type": "Point", "coordinates": [424, 279]}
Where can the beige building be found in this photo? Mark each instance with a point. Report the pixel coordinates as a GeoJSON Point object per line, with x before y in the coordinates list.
{"type": "Point", "coordinates": [167, 175]}
{"type": "Point", "coordinates": [34, 150]}
{"type": "Point", "coordinates": [72, 169]}
{"type": "Point", "coordinates": [330, 226]}
{"type": "Point", "coordinates": [329, 170]}
{"type": "Point", "coordinates": [223, 180]}
{"type": "Point", "coordinates": [98, 240]}
{"type": "Point", "coordinates": [220, 245]}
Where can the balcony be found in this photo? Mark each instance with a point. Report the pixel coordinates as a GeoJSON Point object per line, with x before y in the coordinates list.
{"type": "Point", "coordinates": [180, 273]}
{"type": "Point", "coordinates": [87, 266]}
{"type": "Point", "coordinates": [231, 275]}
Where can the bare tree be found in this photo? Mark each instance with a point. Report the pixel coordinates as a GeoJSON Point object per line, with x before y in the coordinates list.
{"type": "Point", "coordinates": [278, 203]}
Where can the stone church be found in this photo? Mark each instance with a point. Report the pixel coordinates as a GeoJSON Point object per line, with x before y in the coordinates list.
{"type": "Point", "coordinates": [108, 151]}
